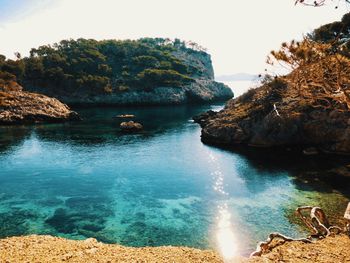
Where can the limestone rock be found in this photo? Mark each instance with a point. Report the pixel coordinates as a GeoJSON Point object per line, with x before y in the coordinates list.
{"type": "Point", "coordinates": [18, 107]}
{"type": "Point", "coordinates": [131, 126]}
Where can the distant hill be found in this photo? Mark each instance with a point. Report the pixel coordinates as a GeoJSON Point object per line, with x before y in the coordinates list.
{"type": "Point", "coordinates": [237, 77]}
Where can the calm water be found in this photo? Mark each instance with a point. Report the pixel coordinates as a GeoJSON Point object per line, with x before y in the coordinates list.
{"type": "Point", "coordinates": [160, 187]}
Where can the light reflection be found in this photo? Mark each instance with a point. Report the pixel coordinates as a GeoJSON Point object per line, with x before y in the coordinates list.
{"type": "Point", "coordinates": [225, 236]}
{"type": "Point", "coordinates": [226, 240]}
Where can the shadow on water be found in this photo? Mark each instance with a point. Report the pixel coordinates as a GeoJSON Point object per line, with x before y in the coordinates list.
{"type": "Point", "coordinates": [323, 172]}
{"type": "Point", "coordinates": [321, 180]}
{"type": "Point", "coordinates": [13, 135]}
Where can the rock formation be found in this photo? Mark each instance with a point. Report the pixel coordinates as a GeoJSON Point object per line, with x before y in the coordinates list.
{"type": "Point", "coordinates": [131, 126]}
{"type": "Point", "coordinates": [276, 115]}
{"type": "Point", "coordinates": [18, 106]}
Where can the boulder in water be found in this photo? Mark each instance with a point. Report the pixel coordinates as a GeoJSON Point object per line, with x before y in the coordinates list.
{"type": "Point", "coordinates": [131, 126]}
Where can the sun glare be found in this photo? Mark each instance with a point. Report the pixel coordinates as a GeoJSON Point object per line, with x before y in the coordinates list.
{"type": "Point", "coordinates": [225, 236]}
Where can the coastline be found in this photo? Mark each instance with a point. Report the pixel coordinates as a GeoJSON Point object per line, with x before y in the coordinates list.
{"type": "Point", "coordinates": [43, 248]}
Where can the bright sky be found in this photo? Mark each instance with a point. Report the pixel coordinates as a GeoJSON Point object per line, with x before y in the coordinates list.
{"type": "Point", "coordinates": [237, 33]}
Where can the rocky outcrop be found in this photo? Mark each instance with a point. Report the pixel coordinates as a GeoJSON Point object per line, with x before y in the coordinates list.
{"type": "Point", "coordinates": [131, 126]}
{"type": "Point", "coordinates": [275, 115]}
{"type": "Point", "coordinates": [18, 106]}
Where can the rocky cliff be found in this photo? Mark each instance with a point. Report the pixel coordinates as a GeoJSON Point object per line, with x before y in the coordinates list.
{"type": "Point", "coordinates": [200, 91]}
{"type": "Point", "coordinates": [145, 71]}
{"type": "Point", "coordinates": [18, 106]}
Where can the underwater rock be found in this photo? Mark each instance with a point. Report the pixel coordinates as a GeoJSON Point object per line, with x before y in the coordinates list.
{"type": "Point", "coordinates": [310, 151]}
{"type": "Point", "coordinates": [125, 116]}
{"type": "Point", "coordinates": [61, 221]}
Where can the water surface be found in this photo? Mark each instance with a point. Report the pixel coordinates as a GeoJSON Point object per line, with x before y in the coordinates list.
{"type": "Point", "coordinates": [159, 187]}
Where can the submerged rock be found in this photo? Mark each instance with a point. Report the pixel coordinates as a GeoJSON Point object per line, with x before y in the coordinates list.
{"type": "Point", "coordinates": [125, 116]}
{"type": "Point", "coordinates": [310, 151]}
{"type": "Point", "coordinates": [131, 126]}
{"type": "Point", "coordinates": [18, 106]}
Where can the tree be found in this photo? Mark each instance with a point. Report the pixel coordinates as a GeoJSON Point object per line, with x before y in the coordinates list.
{"type": "Point", "coordinates": [315, 3]}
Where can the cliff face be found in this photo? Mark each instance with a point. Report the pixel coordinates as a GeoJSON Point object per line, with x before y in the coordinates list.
{"type": "Point", "coordinates": [199, 60]}
{"type": "Point", "coordinates": [17, 107]}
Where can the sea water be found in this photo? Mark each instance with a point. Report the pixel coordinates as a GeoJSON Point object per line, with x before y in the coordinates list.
{"type": "Point", "coordinates": [161, 186]}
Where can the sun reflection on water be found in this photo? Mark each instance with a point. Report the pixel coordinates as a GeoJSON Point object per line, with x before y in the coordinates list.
{"type": "Point", "coordinates": [225, 237]}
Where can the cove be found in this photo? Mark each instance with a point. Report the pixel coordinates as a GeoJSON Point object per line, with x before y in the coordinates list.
{"type": "Point", "coordinates": [162, 186]}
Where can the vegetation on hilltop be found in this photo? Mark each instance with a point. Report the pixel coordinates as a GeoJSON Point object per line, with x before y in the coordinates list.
{"type": "Point", "coordinates": [107, 66]}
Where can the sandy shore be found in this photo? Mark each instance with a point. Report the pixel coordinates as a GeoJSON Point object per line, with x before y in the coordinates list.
{"type": "Point", "coordinates": [44, 249]}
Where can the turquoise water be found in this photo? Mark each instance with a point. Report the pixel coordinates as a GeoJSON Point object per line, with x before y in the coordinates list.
{"type": "Point", "coordinates": [159, 187]}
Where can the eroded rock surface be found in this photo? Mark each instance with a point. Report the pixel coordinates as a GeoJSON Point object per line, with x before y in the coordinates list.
{"type": "Point", "coordinates": [275, 115]}
{"type": "Point", "coordinates": [18, 106]}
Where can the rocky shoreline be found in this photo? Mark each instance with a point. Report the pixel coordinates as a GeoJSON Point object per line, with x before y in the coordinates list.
{"type": "Point", "coordinates": [201, 91]}
{"type": "Point", "coordinates": [38, 248]}
{"type": "Point", "coordinates": [21, 107]}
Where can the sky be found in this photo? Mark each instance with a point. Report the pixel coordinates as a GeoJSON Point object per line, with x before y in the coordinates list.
{"type": "Point", "coordinates": [238, 34]}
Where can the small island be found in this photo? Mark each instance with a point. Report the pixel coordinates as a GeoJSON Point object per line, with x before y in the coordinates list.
{"type": "Point", "coordinates": [119, 72]}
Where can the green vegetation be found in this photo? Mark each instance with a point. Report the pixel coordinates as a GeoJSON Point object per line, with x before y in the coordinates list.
{"type": "Point", "coordinates": [333, 31]}
{"type": "Point", "coordinates": [10, 70]}
{"type": "Point", "coordinates": [108, 66]}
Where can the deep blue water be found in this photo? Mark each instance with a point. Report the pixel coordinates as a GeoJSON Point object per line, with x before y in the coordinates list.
{"type": "Point", "coordinates": [159, 187]}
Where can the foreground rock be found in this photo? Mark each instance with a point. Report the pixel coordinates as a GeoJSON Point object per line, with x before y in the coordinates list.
{"type": "Point", "coordinates": [53, 249]}
{"type": "Point", "coordinates": [330, 249]}
{"type": "Point", "coordinates": [276, 115]}
{"type": "Point", "coordinates": [18, 106]}
{"type": "Point", "coordinates": [131, 126]}
{"type": "Point", "coordinates": [46, 249]}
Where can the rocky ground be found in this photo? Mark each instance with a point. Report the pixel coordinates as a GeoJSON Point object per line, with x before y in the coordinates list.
{"type": "Point", "coordinates": [18, 106]}
{"type": "Point", "coordinates": [53, 249]}
{"type": "Point", "coordinates": [332, 249]}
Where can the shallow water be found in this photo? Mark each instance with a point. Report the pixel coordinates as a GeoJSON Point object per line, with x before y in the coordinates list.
{"type": "Point", "coordinates": [159, 187]}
